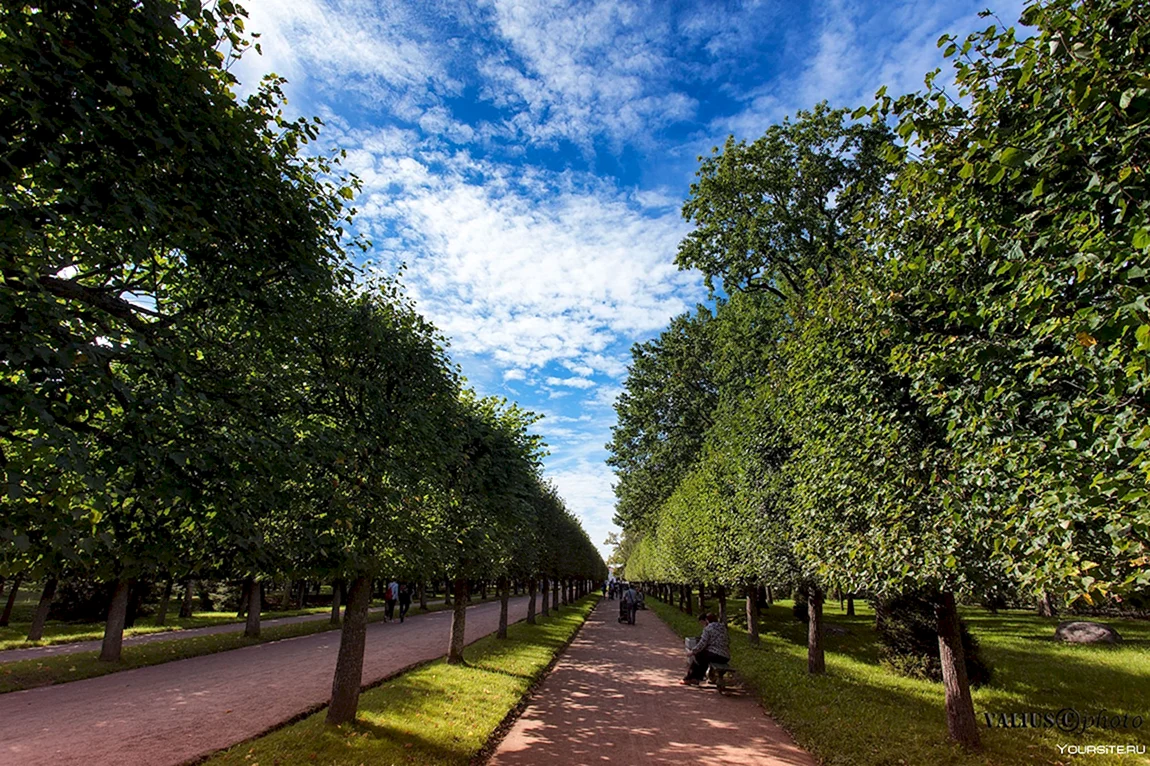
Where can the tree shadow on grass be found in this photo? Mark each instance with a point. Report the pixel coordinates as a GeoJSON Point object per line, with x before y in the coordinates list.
{"type": "Point", "coordinates": [861, 712]}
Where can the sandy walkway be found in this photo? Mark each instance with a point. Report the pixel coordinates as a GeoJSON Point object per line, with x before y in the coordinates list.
{"type": "Point", "coordinates": [614, 697]}
{"type": "Point", "coordinates": [171, 713]}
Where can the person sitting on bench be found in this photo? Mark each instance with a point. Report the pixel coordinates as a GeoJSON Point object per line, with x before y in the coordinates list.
{"type": "Point", "coordinates": [713, 646]}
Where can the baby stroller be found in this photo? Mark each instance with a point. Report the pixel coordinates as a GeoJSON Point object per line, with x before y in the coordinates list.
{"type": "Point", "coordinates": [625, 612]}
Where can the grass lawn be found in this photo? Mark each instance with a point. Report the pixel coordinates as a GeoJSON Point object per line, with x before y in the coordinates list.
{"type": "Point", "coordinates": [55, 632]}
{"type": "Point", "coordinates": [862, 714]}
{"type": "Point", "coordinates": [434, 714]}
{"type": "Point", "coordinates": [27, 674]}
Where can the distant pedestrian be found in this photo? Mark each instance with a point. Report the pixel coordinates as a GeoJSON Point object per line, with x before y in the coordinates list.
{"type": "Point", "coordinates": [404, 601]}
{"type": "Point", "coordinates": [631, 601]}
{"type": "Point", "coordinates": [390, 596]}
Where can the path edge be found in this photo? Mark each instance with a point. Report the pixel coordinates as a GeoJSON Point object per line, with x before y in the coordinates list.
{"type": "Point", "coordinates": [485, 753]}
{"type": "Point", "coordinates": [323, 705]}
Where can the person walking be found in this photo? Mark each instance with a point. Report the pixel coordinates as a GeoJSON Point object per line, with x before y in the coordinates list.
{"type": "Point", "coordinates": [631, 600]}
{"type": "Point", "coordinates": [390, 596]}
{"type": "Point", "coordinates": [404, 601]}
{"type": "Point", "coordinates": [713, 646]}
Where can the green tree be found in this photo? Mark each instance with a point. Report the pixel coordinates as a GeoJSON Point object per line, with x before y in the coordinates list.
{"type": "Point", "coordinates": [662, 414]}
{"type": "Point", "coordinates": [1019, 247]}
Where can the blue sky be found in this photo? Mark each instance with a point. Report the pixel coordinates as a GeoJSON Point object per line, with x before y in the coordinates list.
{"type": "Point", "coordinates": [526, 160]}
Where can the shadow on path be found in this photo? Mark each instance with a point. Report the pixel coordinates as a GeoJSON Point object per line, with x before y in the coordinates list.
{"type": "Point", "coordinates": [614, 697]}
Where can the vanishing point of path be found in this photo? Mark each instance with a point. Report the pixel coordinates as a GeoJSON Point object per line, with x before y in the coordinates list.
{"type": "Point", "coordinates": [614, 697]}
{"type": "Point", "coordinates": [171, 713]}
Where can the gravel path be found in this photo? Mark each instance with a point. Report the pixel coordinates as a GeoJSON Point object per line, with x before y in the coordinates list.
{"type": "Point", "coordinates": [172, 713]}
{"type": "Point", "coordinates": [39, 652]}
{"type": "Point", "coordinates": [614, 697]}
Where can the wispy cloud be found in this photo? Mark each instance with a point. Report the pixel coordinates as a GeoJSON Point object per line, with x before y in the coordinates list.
{"type": "Point", "coordinates": [575, 70]}
{"type": "Point", "coordinates": [526, 159]}
{"type": "Point", "coordinates": [858, 48]}
{"type": "Point", "coordinates": [525, 266]}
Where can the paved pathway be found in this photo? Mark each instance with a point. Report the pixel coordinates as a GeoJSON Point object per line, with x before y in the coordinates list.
{"type": "Point", "coordinates": [52, 650]}
{"type": "Point", "coordinates": [178, 711]}
{"type": "Point", "coordinates": [614, 697]}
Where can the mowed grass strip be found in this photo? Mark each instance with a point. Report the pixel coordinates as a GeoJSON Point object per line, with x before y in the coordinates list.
{"type": "Point", "coordinates": [434, 714]}
{"type": "Point", "coordinates": [15, 636]}
{"type": "Point", "coordinates": [862, 714]}
{"type": "Point", "coordinates": [29, 674]}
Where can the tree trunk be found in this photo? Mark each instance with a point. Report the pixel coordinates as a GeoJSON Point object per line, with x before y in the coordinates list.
{"type": "Point", "coordinates": [531, 601]}
{"type": "Point", "coordinates": [7, 615]}
{"type": "Point", "coordinates": [1046, 605]}
{"type": "Point", "coordinates": [687, 605]}
{"type": "Point", "coordinates": [503, 595]}
{"type": "Point", "coordinates": [447, 593]}
{"type": "Point", "coordinates": [752, 595]}
{"type": "Point", "coordinates": [336, 592]}
{"type": "Point", "coordinates": [349, 664]}
{"type": "Point", "coordinates": [302, 595]}
{"type": "Point", "coordinates": [422, 597]}
{"type": "Point", "coordinates": [285, 596]}
{"type": "Point", "coordinates": [721, 595]}
{"type": "Point", "coordinates": [555, 593]}
{"type": "Point", "coordinates": [770, 595]}
{"type": "Point", "coordinates": [960, 720]}
{"type": "Point", "coordinates": [114, 625]}
{"type": "Point", "coordinates": [816, 661]}
{"type": "Point", "coordinates": [546, 595]}
{"type": "Point", "coordinates": [255, 601]}
{"type": "Point", "coordinates": [458, 623]}
{"type": "Point", "coordinates": [36, 631]}
{"type": "Point", "coordinates": [162, 611]}
{"type": "Point", "coordinates": [702, 598]}
{"type": "Point", "coordinates": [189, 598]}
{"type": "Point", "coordinates": [850, 605]}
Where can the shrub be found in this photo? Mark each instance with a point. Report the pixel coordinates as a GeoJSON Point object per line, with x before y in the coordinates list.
{"type": "Point", "coordinates": [909, 640]}
{"type": "Point", "coordinates": [800, 609]}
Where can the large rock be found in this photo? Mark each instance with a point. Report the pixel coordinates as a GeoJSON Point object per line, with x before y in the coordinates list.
{"type": "Point", "coordinates": [1083, 632]}
{"type": "Point", "coordinates": [833, 629]}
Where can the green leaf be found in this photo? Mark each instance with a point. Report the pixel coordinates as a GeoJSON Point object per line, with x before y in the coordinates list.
{"type": "Point", "coordinates": [1012, 157]}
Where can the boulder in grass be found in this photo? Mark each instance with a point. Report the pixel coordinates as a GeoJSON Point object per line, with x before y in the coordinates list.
{"type": "Point", "coordinates": [832, 629]}
{"type": "Point", "coordinates": [1084, 632]}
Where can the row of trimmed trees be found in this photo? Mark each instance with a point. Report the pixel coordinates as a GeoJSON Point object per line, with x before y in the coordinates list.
{"type": "Point", "coordinates": [928, 367]}
{"type": "Point", "coordinates": [195, 379]}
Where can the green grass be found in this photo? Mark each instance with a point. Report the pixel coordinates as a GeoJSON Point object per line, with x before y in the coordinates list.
{"type": "Point", "coordinates": [55, 632]}
{"type": "Point", "coordinates": [434, 714]}
{"type": "Point", "coordinates": [28, 674]}
{"type": "Point", "coordinates": [862, 714]}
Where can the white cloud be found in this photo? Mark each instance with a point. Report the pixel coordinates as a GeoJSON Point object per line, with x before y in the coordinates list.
{"type": "Point", "coordinates": [858, 49]}
{"type": "Point", "coordinates": [572, 382]}
{"type": "Point", "coordinates": [587, 484]}
{"type": "Point", "coordinates": [381, 49]}
{"type": "Point", "coordinates": [583, 68]}
{"type": "Point", "coordinates": [523, 265]}
{"type": "Point", "coordinates": [514, 374]}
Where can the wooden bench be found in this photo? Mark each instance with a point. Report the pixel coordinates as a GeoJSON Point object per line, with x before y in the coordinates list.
{"type": "Point", "coordinates": [717, 674]}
